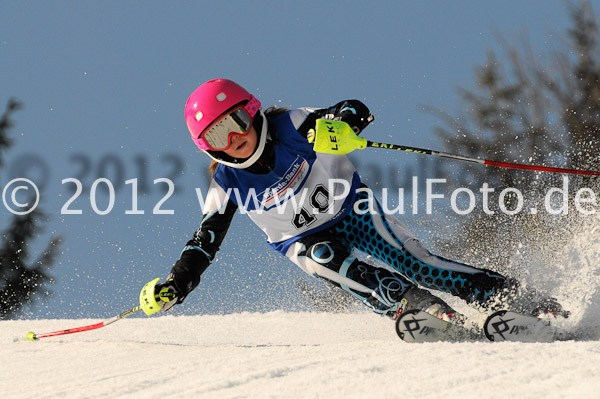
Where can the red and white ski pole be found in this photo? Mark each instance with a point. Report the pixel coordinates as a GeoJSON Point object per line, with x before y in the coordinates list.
{"type": "Point", "coordinates": [486, 162]}
{"type": "Point", "coordinates": [31, 336]}
{"type": "Point", "coordinates": [336, 137]}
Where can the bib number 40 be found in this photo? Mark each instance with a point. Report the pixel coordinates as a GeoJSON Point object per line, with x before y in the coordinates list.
{"type": "Point", "coordinates": [319, 202]}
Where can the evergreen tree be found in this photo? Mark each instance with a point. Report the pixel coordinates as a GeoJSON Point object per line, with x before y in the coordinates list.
{"type": "Point", "coordinates": [19, 282]}
{"type": "Point", "coordinates": [532, 112]}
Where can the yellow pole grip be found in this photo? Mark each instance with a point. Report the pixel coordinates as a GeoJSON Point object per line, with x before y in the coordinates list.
{"type": "Point", "coordinates": [336, 137]}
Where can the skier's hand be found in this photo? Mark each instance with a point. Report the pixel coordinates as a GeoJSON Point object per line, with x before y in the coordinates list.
{"type": "Point", "coordinates": [354, 113]}
{"type": "Point", "coordinates": [168, 293]}
{"type": "Point", "coordinates": [334, 137]}
{"type": "Point", "coordinates": [159, 297]}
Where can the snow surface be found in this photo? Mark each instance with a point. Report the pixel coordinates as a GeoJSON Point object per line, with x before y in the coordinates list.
{"type": "Point", "coordinates": [316, 355]}
{"type": "Point", "coordinates": [281, 355]}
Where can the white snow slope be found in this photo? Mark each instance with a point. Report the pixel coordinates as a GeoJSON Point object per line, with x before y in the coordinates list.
{"type": "Point", "coordinates": [314, 355]}
{"type": "Point", "coordinates": [281, 355]}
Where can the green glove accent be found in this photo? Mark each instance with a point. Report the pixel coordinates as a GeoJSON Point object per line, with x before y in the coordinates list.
{"type": "Point", "coordinates": [167, 294]}
{"type": "Point", "coordinates": [147, 298]}
{"type": "Point", "coordinates": [336, 137]}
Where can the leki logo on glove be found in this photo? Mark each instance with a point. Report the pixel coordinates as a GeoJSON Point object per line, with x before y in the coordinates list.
{"type": "Point", "coordinates": [167, 294]}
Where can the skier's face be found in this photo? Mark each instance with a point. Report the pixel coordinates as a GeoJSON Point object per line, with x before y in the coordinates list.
{"type": "Point", "coordinates": [242, 146]}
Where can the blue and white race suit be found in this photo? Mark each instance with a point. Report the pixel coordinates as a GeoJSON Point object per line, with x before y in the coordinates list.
{"type": "Point", "coordinates": [313, 209]}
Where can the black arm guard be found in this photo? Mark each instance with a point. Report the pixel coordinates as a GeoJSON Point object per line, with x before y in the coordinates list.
{"type": "Point", "coordinates": [201, 250]}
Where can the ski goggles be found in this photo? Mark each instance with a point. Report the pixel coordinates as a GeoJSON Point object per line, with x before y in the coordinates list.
{"type": "Point", "coordinates": [217, 136]}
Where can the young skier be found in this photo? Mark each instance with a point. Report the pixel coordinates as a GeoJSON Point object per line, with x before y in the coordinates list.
{"type": "Point", "coordinates": [268, 154]}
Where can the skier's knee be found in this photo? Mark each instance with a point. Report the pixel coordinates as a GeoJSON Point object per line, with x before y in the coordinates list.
{"type": "Point", "coordinates": [321, 252]}
{"type": "Point", "coordinates": [328, 254]}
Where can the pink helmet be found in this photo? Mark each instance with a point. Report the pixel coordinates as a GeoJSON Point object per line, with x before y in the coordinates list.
{"type": "Point", "coordinates": [212, 100]}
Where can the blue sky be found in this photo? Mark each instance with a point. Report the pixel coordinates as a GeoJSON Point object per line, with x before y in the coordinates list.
{"type": "Point", "coordinates": [104, 85]}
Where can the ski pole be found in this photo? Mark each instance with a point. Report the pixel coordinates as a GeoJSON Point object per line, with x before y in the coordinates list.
{"type": "Point", "coordinates": [31, 336]}
{"type": "Point", "coordinates": [486, 162]}
{"type": "Point", "coordinates": [336, 137]}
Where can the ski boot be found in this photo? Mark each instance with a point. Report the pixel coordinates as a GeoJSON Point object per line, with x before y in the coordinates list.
{"type": "Point", "coordinates": [541, 306]}
{"type": "Point", "coordinates": [417, 298]}
{"type": "Point", "coordinates": [514, 297]}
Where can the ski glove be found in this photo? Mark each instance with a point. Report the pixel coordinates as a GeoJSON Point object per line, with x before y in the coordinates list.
{"type": "Point", "coordinates": [354, 113]}
{"type": "Point", "coordinates": [160, 297]}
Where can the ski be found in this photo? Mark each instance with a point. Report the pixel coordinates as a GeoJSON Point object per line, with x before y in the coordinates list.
{"type": "Point", "coordinates": [418, 326]}
{"type": "Point", "coordinates": [510, 326]}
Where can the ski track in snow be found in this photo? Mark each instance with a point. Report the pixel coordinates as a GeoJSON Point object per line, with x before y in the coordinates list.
{"type": "Point", "coordinates": [281, 355]}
